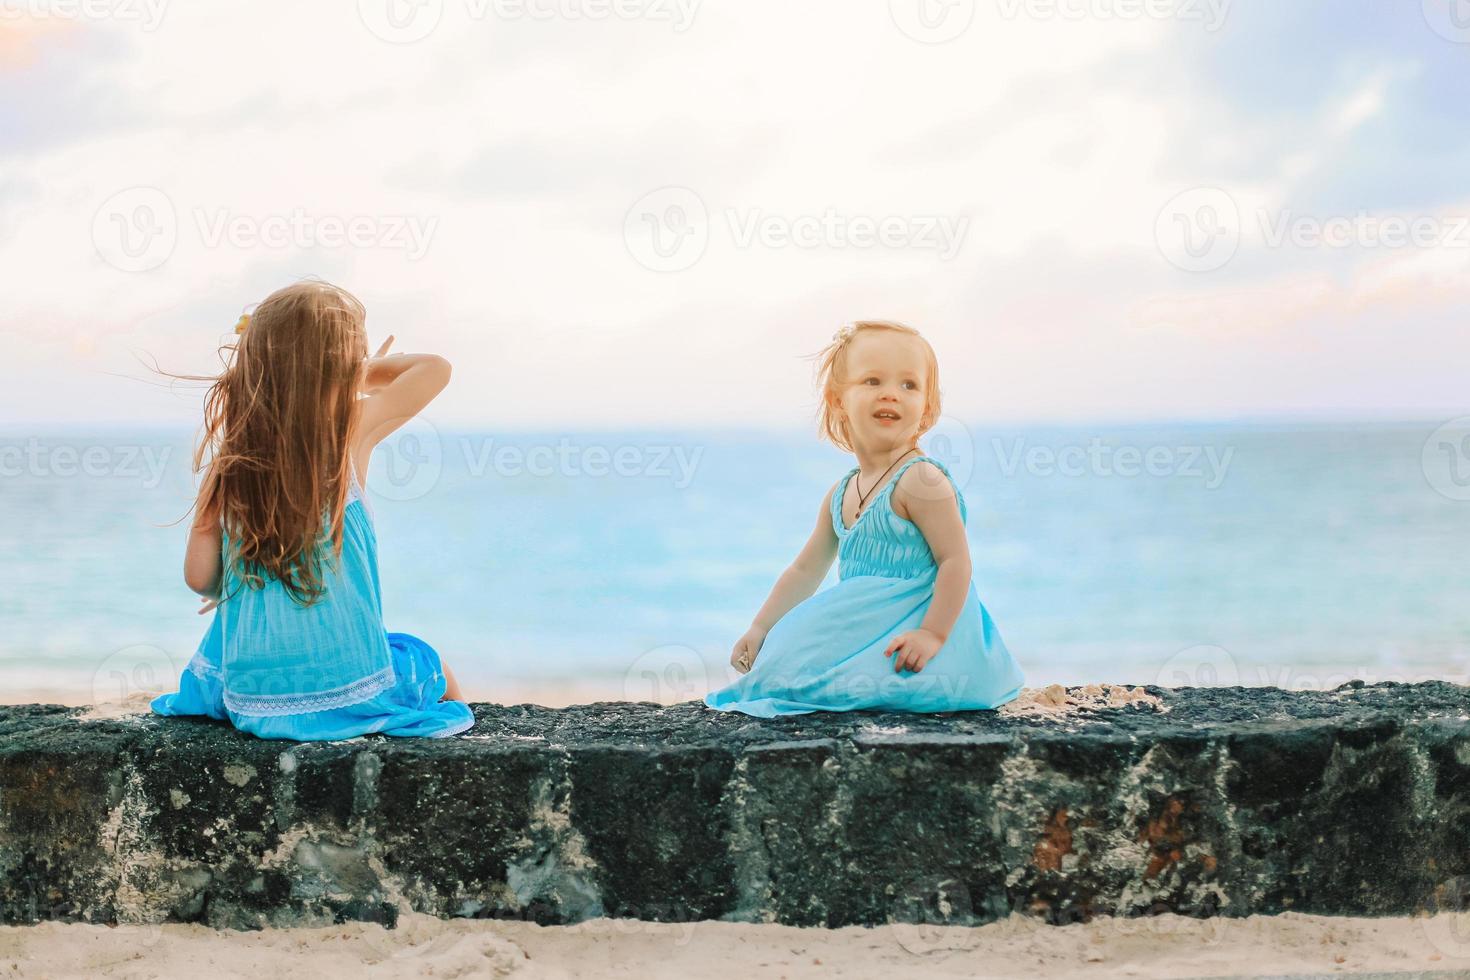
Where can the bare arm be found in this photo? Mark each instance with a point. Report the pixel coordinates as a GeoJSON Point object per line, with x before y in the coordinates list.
{"type": "Point", "coordinates": [796, 584]}
{"type": "Point", "coordinates": [203, 565]}
{"type": "Point", "coordinates": [397, 387]}
{"type": "Point", "coordinates": [805, 573]}
{"type": "Point", "coordinates": [926, 497]}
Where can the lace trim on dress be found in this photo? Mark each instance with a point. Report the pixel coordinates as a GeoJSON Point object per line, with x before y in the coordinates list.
{"type": "Point", "coordinates": [355, 489]}
{"type": "Point", "coordinates": [300, 704]}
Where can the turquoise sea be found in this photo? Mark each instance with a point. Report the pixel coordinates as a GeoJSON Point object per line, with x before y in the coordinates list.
{"type": "Point", "coordinates": [1299, 555]}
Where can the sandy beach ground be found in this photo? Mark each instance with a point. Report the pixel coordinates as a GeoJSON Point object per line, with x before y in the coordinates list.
{"type": "Point", "coordinates": [421, 945]}
{"type": "Point", "coordinates": [1160, 946]}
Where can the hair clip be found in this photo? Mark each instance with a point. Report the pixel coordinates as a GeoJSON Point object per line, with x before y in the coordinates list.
{"type": "Point", "coordinates": [242, 323]}
{"type": "Point", "coordinates": [844, 334]}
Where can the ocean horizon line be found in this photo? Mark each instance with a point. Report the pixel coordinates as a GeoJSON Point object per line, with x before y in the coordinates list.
{"type": "Point", "coordinates": [1262, 422]}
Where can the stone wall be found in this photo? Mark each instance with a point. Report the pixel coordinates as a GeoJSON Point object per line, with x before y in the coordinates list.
{"type": "Point", "coordinates": [1232, 801]}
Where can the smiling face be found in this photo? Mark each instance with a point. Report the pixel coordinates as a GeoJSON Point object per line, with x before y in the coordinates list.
{"type": "Point", "coordinates": [884, 393]}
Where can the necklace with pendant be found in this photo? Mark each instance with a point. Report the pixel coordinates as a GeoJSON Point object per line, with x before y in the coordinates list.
{"type": "Point", "coordinates": [863, 497]}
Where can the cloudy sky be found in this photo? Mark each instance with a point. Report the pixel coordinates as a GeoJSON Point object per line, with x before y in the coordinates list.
{"type": "Point", "coordinates": [635, 212]}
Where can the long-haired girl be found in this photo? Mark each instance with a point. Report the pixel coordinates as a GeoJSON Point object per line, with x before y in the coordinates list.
{"type": "Point", "coordinates": [282, 548]}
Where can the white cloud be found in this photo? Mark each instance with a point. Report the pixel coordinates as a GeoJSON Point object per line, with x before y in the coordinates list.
{"type": "Point", "coordinates": [525, 142]}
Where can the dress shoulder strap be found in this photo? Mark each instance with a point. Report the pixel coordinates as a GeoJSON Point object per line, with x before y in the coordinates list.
{"type": "Point", "coordinates": [959, 497]}
{"type": "Point", "coordinates": [838, 492]}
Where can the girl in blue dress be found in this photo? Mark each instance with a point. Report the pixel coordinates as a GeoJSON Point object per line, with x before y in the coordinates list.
{"type": "Point", "coordinates": [282, 548]}
{"type": "Point", "coordinates": [902, 629]}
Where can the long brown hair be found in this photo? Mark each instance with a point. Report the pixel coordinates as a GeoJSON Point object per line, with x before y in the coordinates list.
{"type": "Point", "coordinates": [279, 422]}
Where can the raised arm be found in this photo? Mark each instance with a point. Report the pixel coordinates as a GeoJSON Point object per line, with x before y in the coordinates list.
{"type": "Point", "coordinates": [397, 387]}
{"type": "Point", "coordinates": [797, 583]}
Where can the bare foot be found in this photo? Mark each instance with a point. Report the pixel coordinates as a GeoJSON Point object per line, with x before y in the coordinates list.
{"type": "Point", "coordinates": [451, 690]}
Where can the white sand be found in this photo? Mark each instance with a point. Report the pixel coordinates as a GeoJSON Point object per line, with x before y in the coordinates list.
{"type": "Point", "coordinates": [1161, 946]}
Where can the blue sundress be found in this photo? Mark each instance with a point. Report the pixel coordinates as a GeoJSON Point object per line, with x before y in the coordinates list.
{"type": "Point", "coordinates": [279, 670]}
{"type": "Point", "coordinates": [827, 653]}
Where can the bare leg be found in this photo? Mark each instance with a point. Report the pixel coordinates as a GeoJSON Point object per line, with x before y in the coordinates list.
{"type": "Point", "coordinates": [451, 690]}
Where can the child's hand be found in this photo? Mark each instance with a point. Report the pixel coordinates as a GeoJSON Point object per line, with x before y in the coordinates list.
{"type": "Point", "coordinates": [747, 648]}
{"type": "Point", "coordinates": [208, 604]}
{"type": "Point", "coordinates": [374, 377]}
{"type": "Point", "coordinates": [915, 649]}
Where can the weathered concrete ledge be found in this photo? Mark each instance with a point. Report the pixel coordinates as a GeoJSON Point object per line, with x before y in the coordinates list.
{"type": "Point", "coordinates": [1234, 801]}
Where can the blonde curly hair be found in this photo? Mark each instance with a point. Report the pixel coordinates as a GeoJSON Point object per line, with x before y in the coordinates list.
{"type": "Point", "coordinates": [832, 376]}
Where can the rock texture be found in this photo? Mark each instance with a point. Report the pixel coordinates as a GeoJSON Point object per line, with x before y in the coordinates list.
{"type": "Point", "coordinates": [1231, 801]}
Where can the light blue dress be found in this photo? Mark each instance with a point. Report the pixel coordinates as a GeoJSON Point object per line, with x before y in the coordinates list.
{"type": "Point", "coordinates": [279, 670]}
{"type": "Point", "coordinates": [827, 653]}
